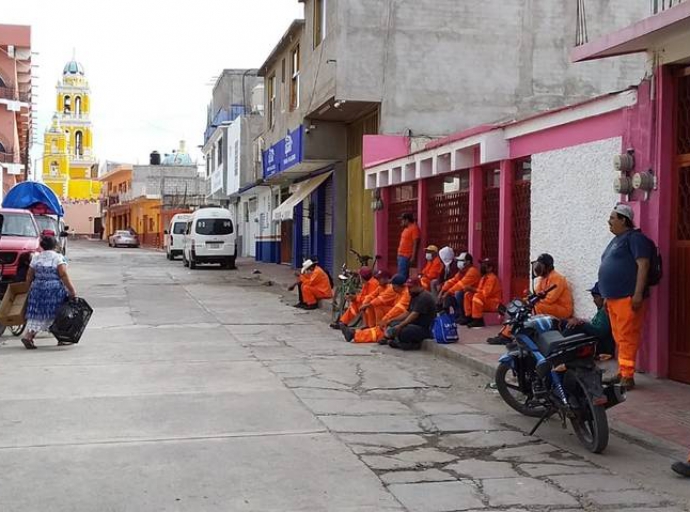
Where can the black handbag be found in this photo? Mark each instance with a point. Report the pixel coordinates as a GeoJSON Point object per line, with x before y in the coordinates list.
{"type": "Point", "coordinates": [71, 320]}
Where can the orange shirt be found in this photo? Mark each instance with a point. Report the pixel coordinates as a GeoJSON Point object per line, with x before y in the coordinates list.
{"type": "Point", "coordinates": [433, 269]}
{"type": "Point", "coordinates": [401, 306]}
{"type": "Point", "coordinates": [490, 288]}
{"type": "Point", "coordinates": [318, 282]}
{"type": "Point", "coordinates": [368, 287]}
{"type": "Point", "coordinates": [469, 278]}
{"type": "Point", "coordinates": [386, 297]}
{"type": "Point", "coordinates": [407, 239]}
{"type": "Point", "coordinates": [560, 297]}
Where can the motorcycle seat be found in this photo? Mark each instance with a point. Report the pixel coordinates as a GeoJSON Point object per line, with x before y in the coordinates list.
{"type": "Point", "coordinates": [551, 341]}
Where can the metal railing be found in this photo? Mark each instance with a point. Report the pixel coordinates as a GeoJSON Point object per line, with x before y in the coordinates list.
{"type": "Point", "coordinates": [11, 93]}
{"type": "Point", "coordinates": [658, 6]}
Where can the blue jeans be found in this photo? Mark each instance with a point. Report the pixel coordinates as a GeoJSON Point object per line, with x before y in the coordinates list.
{"type": "Point", "coordinates": [404, 266]}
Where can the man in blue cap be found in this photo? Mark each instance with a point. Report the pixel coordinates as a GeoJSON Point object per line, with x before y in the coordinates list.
{"type": "Point", "coordinates": [599, 326]}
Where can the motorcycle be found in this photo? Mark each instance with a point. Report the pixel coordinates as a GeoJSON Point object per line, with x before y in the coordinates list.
{"type": "Point", "coordinates": [545, 373]}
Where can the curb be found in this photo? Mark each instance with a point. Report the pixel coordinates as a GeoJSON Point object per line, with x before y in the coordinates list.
{"type": "Point", "coordinates": [444, 352]}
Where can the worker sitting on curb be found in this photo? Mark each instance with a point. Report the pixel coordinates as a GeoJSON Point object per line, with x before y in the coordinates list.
{"type": "Point", "coordinates": [559, 301]}
{"type": "Point", "coordinates": [599, 326]}
{"type": "Point", "coordinates": [312, 285]}
{"type": "Point", "coordinates": [432, 269]}
{"type": "Point", "coordinates": [369, 286]}
{"type": "Point", "coordinates": [415, 327]}
{"type": "Point", "coordinates": [484, 298]}
{"type": "Point", "coordinates": [398, 307]}
{"type": "Point", "coordinates": [452, 294]}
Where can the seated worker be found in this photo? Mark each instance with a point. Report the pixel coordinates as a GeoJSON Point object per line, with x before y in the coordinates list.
{"type": "Point", "coordinates": [415, 327]}
{"type": "Point", "coordinates": [369, 286]}
{"type": "Point", "coordinates": [432, 269]}
{"type": "Point", "coordinates": [376, 333]}
{"type": "Point", "coordinates": [452, 294]}
{"type": "Point", "coordinates": [379, 303]}
{"type": "Point", "coordinates": [599, 326]}
{"type": "Point", "coordinates": [559, 301]}
{"type": "Point", "coordinates": [447, 256]}
{"type": "Point", "coordinates": [313, 285]}
{"type": "Point", "coordinates": [484, 298]}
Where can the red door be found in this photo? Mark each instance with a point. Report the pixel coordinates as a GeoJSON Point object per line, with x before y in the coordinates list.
{"type": "Point", "coordinates": [403, 200]}
{"type": "Point", "coordinates": [679, 328]}
{"type": "Point", "coordinates": [522, 215]}
{"type": "Point", "coordinates": [286, 241]}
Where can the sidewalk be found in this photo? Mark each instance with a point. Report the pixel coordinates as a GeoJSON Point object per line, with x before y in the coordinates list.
{"type": "Point", "coordinates": [657, 413]}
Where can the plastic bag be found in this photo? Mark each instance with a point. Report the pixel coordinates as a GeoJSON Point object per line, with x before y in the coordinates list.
{"type": "Point", "coordinates": [444, 329]}
{"type": "Point", "coordinates": [71, 320]}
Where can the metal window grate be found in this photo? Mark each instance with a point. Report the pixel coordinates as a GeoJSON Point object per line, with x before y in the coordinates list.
{"type": "Point", "coordinates": [490, 223]}
{"type": "Point", "coordinates": [522, 215]}
{"type": "Point", "coordinates": [449, 206]}
{"type": "Point", "coordinates": [684, 116]}
{"type": "Point", "coordinates": [683, 204]}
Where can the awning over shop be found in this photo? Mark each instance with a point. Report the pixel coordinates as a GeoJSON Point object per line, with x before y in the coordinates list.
{"type": "Point", "coordinates": [300, 192]}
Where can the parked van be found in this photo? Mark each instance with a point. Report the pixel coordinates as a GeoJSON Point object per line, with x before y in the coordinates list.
{"type": "Point", "coordinates": [174, 235]}
{"type": "Point", "coordinates": [210, 238]}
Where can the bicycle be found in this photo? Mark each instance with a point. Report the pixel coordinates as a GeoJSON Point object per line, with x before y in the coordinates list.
{"type": "Point", "coordinates": [349, 283]}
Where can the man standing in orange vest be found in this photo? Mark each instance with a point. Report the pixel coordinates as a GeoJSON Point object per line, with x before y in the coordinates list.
{"type": "Point", "coordinates": [408, 249]}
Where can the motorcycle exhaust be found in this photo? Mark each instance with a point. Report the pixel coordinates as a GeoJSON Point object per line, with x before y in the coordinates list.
{"type": "Point", "coordinates": [615, 394]}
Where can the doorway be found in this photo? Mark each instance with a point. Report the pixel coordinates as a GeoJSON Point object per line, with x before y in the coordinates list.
{"type": "Point", "coordinates": [679, 353]}
{"type": "Point", "coordinates": [286, 242]}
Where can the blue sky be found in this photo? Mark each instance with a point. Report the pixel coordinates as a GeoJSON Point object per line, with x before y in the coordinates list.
{"type": "Point", "coordinates": [149, 62]}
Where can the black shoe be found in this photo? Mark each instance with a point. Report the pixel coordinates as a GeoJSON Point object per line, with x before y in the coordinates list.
{"type": "Point", "coordinates": [464, 321]}
{"type": "Point", "coordinates": [682, 468]}
{"type": "Point", "coordinates": [476, 323]}
{"type": "Point", "coordinates": [348, 333]}
{"type": "Point", "coordinates": [311, 307]}
{"type": "Point", "coordinates": [498, 340]}
{"type": "Point", "coordinates": [615, 379]}
{"type": "Point", "coordinates": [335, 326]}
{"type": "Point", "coordinates": [299, 305]}
{"type": "Point", "coordinates": [384, 341]}
{"type": "Point", "coordinates": [393, 344]}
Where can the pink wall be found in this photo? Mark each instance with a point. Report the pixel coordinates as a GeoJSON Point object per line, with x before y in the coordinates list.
{"type": "Point", "coordinates": [377, 149]}
{"type": "Point", "coordinates": [77, 216]}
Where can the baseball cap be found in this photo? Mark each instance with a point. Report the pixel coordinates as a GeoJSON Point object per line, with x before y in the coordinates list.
{"type": "Point", "coordinates": [624, 210]}
{"type": "Point", "coordinates": [398, 280]}
{"type": "Point", "coordinates": [545, 259]}
{"type": "Point", "coordinates": [365, 273]}
{"type": "Point", "coordinates": [407, 216]}
{"type": "Point", "coordinates": [413, 281]}
{"type": "Point", "coordinates": [432, 248]}
{"type": "Point", "coordinates": [462, 256]}
{"type": "Point", "coordinates": [594, 290]}
{"type": "Point", "coordinates": [383, 274]}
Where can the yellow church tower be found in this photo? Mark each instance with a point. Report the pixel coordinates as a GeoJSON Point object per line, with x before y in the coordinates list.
{"type": "Point", "coordinates": [69, 165]}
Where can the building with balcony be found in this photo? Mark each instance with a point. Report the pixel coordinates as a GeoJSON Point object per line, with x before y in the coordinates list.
{"type": "Point", "coordinates": [15, 104]}
{"type": "Point", "coordinates": [425, 69]}
{"type": "Point", "coordinates": [145, 197]}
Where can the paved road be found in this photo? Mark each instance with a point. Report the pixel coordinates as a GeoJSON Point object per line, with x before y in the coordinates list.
{"type": "Point", "coordinates": [202, 391]}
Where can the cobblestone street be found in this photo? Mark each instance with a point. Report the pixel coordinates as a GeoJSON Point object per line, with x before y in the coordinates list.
{"type": "Point", "coordinates": [202, 390]}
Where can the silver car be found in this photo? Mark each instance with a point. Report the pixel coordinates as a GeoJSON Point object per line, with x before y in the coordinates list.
{"type": "Point", "coordinates": [123, 238]}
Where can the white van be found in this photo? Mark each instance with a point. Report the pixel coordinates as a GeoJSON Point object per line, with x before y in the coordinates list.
{"type": "Point", "coordinates": [174, 235]}
{"type": "Point", "coordinates": [210, 238]}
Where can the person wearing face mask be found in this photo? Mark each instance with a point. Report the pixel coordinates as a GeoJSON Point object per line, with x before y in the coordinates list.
{"type": "Point", "coordinates": [484, 298]}
{"type": "Point", "coordinates": [452, 294]}
{"type": "Point", "coordinates": [559, 301]}
{"type": "Point", "coordinates": [447, 256]}
{"type": "Point", "coordinates": [432, 269]}
{"type": "Point", "coordinates": [369, 286]}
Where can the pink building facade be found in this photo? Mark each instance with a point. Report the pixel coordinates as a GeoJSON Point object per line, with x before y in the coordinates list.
{"type": "Point", "coordinates": [548, 183]}
{"type": "Point", "coordinates": [15, 102]}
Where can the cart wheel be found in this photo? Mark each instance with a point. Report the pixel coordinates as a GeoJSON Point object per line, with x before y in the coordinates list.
{"type": "Point", "coordinates": [17, 330]}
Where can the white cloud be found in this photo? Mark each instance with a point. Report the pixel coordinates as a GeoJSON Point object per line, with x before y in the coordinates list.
{"type": "Point", "coordinates": [149, 62]}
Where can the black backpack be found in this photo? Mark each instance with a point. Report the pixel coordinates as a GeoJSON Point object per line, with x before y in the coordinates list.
{"type": "Point", "coordinates": [656, 264]}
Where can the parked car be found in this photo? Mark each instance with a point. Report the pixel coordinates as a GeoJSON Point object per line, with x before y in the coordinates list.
{"type": "Point", "coordinates": [174, 235]}
{"type": "Point", "coordinates": [56, 226]}
{"type": "Point", "coordinates": [123, 238]}
{"type": "Point", "coordinates": [210, 238]}
{"type": "Point", "coordinates": [20, 234]}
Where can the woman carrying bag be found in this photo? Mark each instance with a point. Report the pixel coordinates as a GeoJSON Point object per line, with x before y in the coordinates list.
{"type": "Point", "coordinates": [50, 287]}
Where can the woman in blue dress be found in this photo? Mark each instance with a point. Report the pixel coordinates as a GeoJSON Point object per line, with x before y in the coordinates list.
{"type": "Point", "coordinates": [50, 287]}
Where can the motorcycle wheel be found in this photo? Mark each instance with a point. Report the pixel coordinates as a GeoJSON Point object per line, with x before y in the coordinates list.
{"type": "Point", "coordinates": [589, 422]}
{"type": "Point", "coordinates": [509, 389]}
